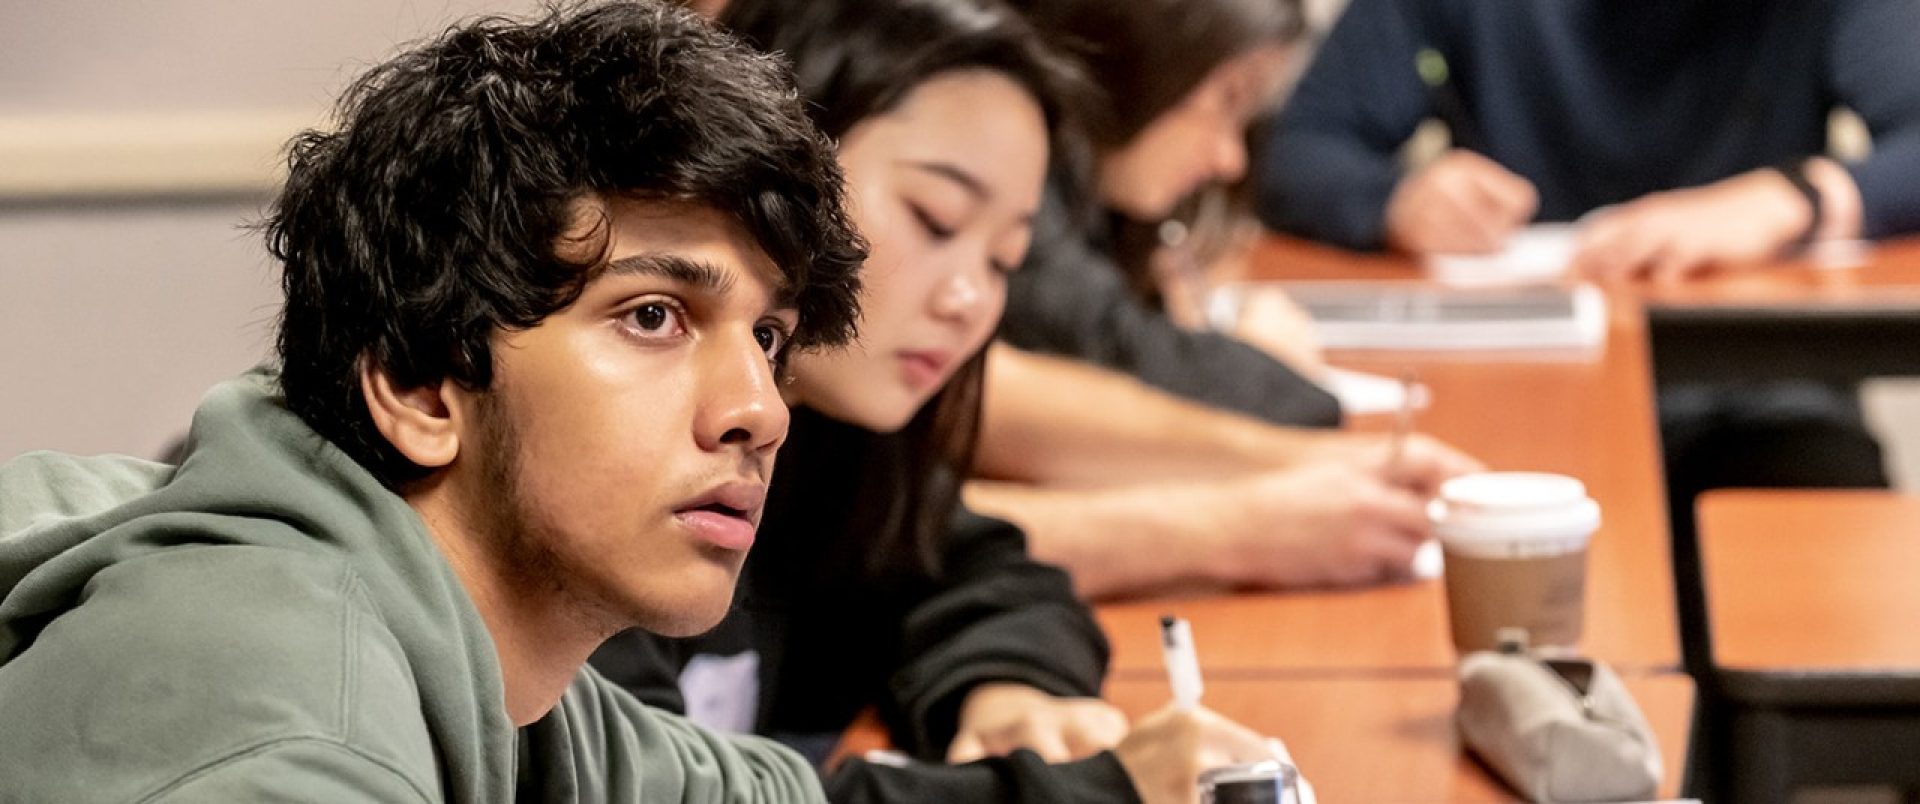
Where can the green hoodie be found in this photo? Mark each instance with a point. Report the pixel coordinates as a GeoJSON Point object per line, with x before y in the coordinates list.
{"type": "Point", "coordinates": [268, 622]}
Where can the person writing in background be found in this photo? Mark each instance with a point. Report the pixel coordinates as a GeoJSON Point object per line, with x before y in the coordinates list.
{"type": "Point", "coordinates": [1110, 430]}
{"type": "Point", "coordinates": [1690, 134]}
{"type": "Point", "coordinates": [871, 587]}
{"type": "Point", "coordinates": [1686, 137]}
{"type": "Point", "coordinates": [536, 288]}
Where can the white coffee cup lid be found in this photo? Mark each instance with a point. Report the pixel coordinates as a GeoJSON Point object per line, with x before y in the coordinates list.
{"type": "Point", "coordinates": [1514, 514]}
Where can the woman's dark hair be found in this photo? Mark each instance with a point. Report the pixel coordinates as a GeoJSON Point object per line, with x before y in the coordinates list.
{"type": "Point", "coordinates": [856, 59]}
{"type": "Point", "coordinates": [1149, 54]}
{"type": "Point", "coordinates": [429, 222]}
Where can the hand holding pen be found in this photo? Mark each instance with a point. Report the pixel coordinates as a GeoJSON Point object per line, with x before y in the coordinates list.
{"type": "Point", "coordinates": [1460, 202]}
{"type": "Point", "coordinates": [1216, 742]}
{"type": "Point", "coordinates": [1417, 462]}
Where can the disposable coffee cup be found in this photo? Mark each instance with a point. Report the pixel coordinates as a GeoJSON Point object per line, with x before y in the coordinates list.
{"type": "Point", "coordinates": [1516, 556]}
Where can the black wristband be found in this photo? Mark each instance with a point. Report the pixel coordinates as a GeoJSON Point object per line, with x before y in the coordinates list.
{"type": "Point", "coordinates": [1795, 172]}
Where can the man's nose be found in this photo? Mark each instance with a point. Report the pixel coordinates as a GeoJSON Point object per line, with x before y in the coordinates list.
{"type": "Point", "coordinates": [742, 404]}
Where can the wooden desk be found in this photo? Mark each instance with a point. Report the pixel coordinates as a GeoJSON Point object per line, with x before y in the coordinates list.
{"type": "Point", "coordinates": [1890, 276]}
{"type": "Point", "coordinates": [1590, 419]}
{"type": "Point", "coordinates": [1360, 682]}
{"type": "Point", "coordinates": [1812, 580]}
{"type": "Point", "coordinates": [1391, 739]}
{"type": "Point", "coordinates": [1792, 321]}
{"type": "Point", "coordinates": [1815, 675]}
{"type": "Point", "coordinates": [1590, 416]}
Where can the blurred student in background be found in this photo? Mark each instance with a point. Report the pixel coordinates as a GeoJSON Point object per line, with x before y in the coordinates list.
{"type": "Point", "coordinates": [1687, 136]}
{"type": "Point", "coordinates": [1691, 135]}
{"type": "Point", "coordinates": [1696, 129]}
{"type": "Point", "coordinates": [1112, 430]}
{"type": "Point", "coordinates": [1180, 82]}
{"type": "Point", "coordinates": [870, 587]}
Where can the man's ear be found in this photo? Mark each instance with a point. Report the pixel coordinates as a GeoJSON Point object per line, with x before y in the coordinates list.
{"type": "Point", "coordinates": [421, 423]}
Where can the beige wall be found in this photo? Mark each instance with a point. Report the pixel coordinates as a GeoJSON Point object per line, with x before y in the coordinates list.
{"type": "Point", "coordinates": [114, 320]}
{"type": "Point", "coordinates": [136, 138]}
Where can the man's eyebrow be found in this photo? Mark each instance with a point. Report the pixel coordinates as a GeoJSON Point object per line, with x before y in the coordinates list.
{"type": "Point", "coordinates": [698, 274]}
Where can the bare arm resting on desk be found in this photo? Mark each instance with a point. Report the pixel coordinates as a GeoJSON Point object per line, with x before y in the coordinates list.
{"type": "Point", "coordinates": [1328, 525]}
{"type": "Point", "coordinates": [1059, 423]}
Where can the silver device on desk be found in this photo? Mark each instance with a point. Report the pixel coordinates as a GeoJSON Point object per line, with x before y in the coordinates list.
{"type": "Point", "coordinates": [1265, 782]}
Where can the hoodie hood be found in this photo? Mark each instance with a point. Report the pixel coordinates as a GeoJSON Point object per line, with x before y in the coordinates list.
{"type": "Point", "coordinates": [255, 475]}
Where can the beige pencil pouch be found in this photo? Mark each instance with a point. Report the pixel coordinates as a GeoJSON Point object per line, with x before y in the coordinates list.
{"type": "Point", "coordinates": [1561, 729]}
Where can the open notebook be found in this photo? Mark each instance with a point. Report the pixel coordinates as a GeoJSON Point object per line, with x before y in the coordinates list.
{"type": "Point", "coordinates": [1372, 315]}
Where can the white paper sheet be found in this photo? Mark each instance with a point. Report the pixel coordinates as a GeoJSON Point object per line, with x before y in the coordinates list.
{"type": "Point", "coordinates": [1538, 253]}
{"type": "Point", "coordinates": [1362, 393]}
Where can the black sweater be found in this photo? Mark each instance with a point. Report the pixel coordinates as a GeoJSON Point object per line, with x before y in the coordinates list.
{"type": "Point", "coordinates": [1070, 298]}
{"type": "Point", "coordinates": [1597, 101]}
{"type": "Point", "coordinates": [833, 638]}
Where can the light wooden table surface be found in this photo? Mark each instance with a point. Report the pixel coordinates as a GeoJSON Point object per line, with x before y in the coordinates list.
{"type": "Point", "coordinates": [1360, 683]}
{"type": "Point", "coordinates": [1588, 415]}
{"type": "Point", "coordinates": [1812, 580]}
{"type": "Point", "coordinates": [1387, 739]}
{"type": "Point", "coordinates": [1889, 274]}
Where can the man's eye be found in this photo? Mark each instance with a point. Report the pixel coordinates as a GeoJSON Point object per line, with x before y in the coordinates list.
{"type": "Point", "coordinates": [771, 338]}
{"type": "Point", "coordinates": [658, 319]}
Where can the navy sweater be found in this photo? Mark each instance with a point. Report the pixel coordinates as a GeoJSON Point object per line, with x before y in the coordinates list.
{"type": "Point", "coordinates": [1597, 101]}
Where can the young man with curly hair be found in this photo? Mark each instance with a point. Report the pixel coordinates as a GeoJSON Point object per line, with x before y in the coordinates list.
{"type": "Point", "coordinates": [539, 285]}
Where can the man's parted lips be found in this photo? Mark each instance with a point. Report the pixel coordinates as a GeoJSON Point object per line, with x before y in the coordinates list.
{"type": "Point", "coordinates": [738, 498]}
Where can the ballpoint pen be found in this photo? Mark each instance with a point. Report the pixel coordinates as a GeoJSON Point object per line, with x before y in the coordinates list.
{"type": "Point", "coordinates": [1402, 422]}
{"type": "Point", "coordinates": [1183, 665]}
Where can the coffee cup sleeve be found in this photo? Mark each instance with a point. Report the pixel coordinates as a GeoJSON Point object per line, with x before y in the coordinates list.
{"type": "Point", "coordinates": [1549, 740]}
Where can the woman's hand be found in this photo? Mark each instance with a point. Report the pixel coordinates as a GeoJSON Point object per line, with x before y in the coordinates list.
{"type": "Point", "coordinates": [1000, 718]}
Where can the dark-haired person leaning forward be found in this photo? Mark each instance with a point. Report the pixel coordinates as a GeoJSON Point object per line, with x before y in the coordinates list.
{"type": "Point", "coordinates": [536, 295]}
{"type": "Point", "coordinates": [1188, 447]}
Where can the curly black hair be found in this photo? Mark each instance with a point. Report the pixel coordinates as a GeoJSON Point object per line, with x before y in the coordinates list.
{"type": "Point", "coordinates": [428, 222]}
